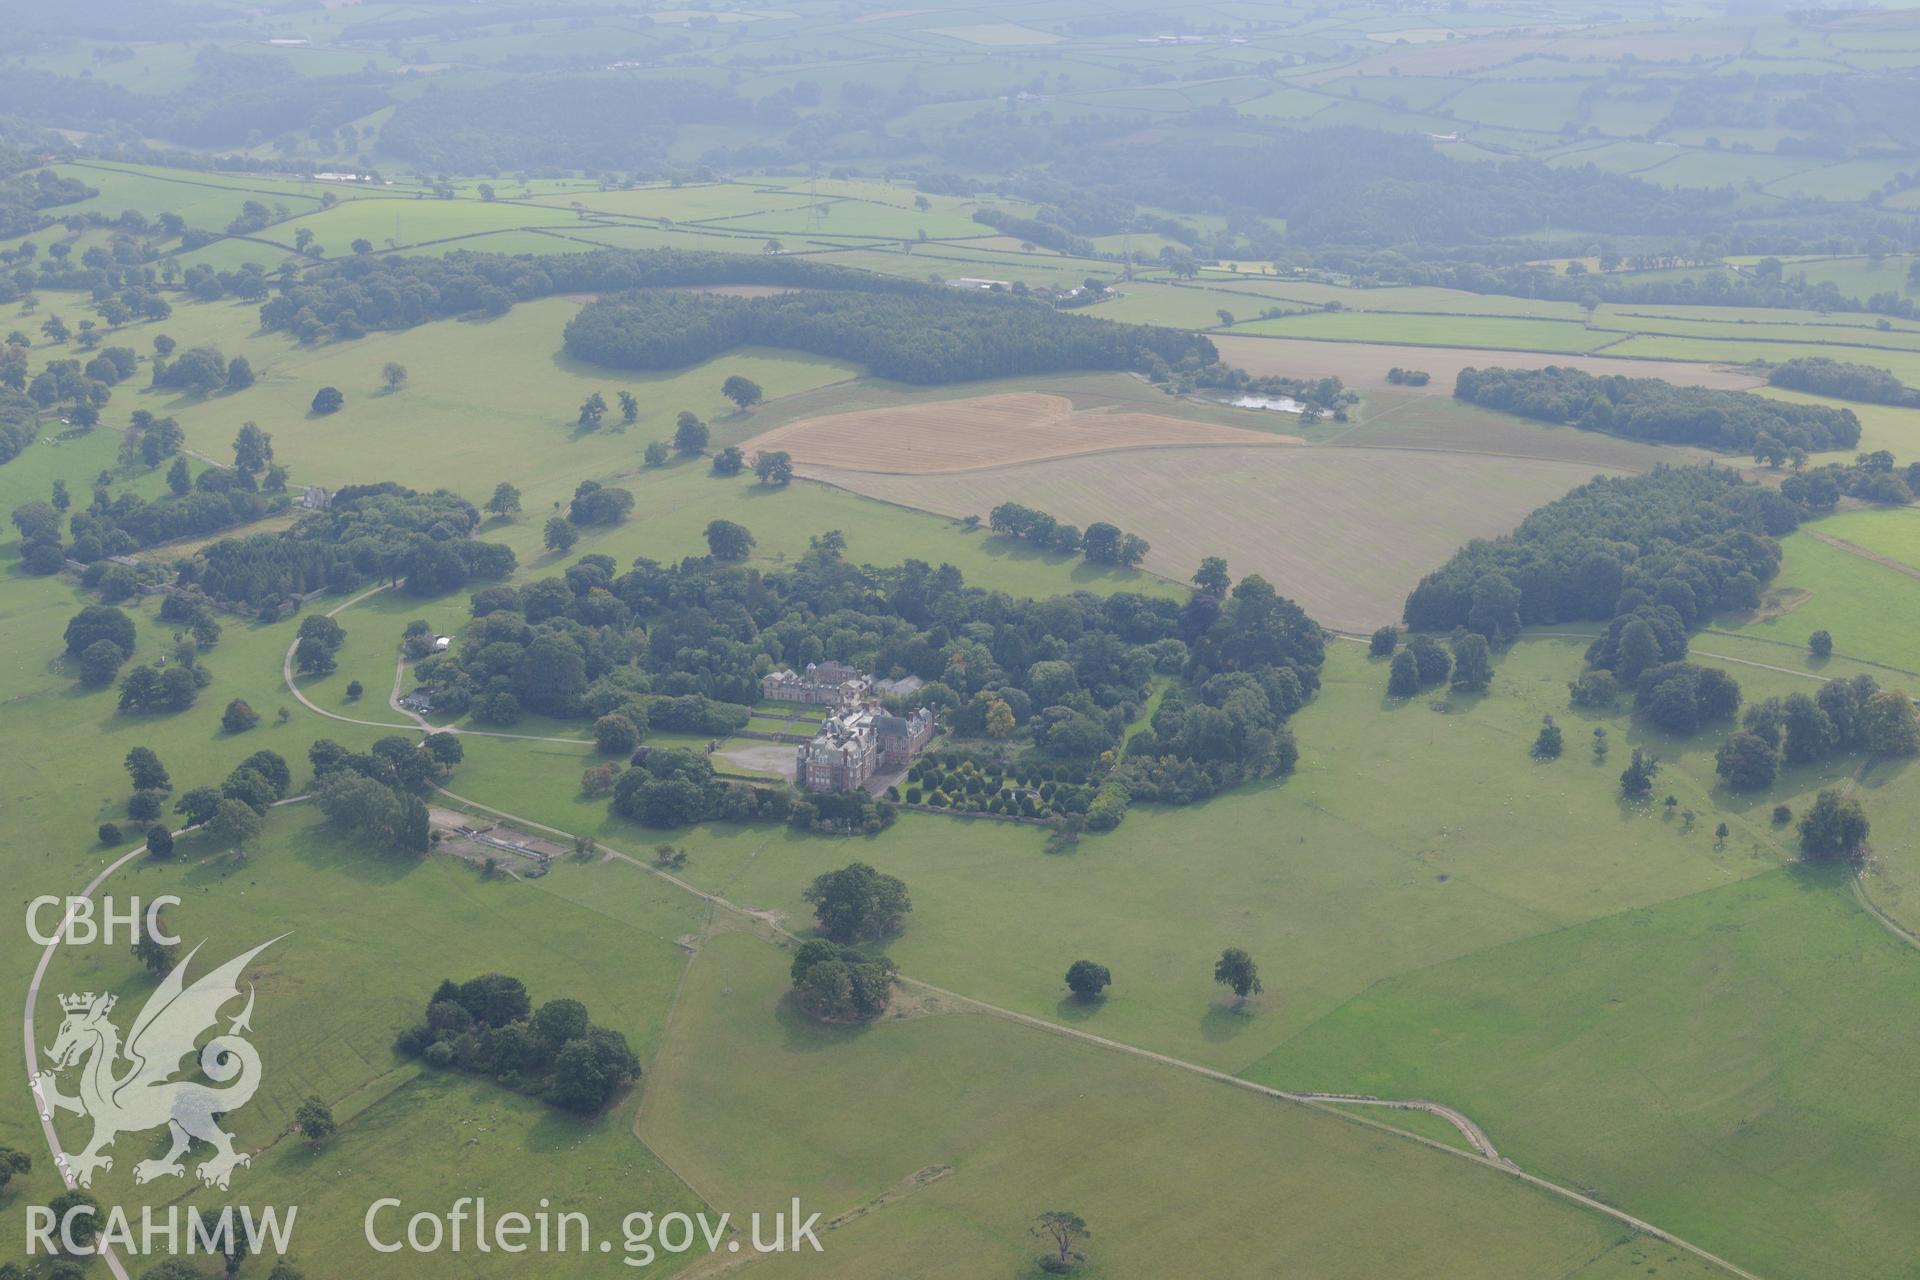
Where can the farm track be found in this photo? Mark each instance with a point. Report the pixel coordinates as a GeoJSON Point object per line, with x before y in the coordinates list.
{"type": "Point", "coordinates": [420, 724]}
{"type": "Point", "coordinates": [1855, 549]}
{"type": "Point", "coordinates": [1859, 886]}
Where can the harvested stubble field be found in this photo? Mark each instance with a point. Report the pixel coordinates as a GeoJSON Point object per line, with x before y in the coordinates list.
{"type": "Point", "coordinates": [982, 432]}
{"type": "Point", "coordinates": [1346, 532]}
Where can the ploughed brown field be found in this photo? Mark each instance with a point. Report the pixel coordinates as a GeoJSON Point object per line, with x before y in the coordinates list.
{"type": "Point", "coordinates": [988, 431]}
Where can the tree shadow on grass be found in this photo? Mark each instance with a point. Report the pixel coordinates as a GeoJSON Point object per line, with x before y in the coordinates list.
{"type": "Point", "coordinates": [805, 1033]}
{"type": "Point", "coordinates": [324, 848]}
{"type": "Point", "coordinates": [1073, 1009]}
{"type": "Point", "coordinates": [1225, 1021]}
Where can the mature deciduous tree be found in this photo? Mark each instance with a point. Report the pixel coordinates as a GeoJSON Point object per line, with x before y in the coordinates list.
{"type": "Point", "coordinates": [744, 392]}
{"type": "Point", "coordinates": [314, 1119]}
{"type": "Point", "coordinates": [1834, 829]}
{"type": "Point", "coordinates": [505, 501]}
{"type": "Point", "coordinates": [233, 827]}
{"type": "Point", "coordinates": [1087, 978]}
{"type": "Point", "coordinates": [858, 902]}
{"type": "Point", "coordinates": [728, 541]}
{"type": "Point", "coordinates": [690, 435]}
{"type": "Point", "coordinates": [1236, 971]}
{"type": "Point", "coordinates": [1064, 1230]}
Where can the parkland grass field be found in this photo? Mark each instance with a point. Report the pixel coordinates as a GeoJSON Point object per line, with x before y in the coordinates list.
{"type": "Point", "coordinates": [918, 313]}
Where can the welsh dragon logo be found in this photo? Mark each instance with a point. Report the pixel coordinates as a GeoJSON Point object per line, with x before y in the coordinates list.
{"type": "Point", "coordinates": [129, 1088]}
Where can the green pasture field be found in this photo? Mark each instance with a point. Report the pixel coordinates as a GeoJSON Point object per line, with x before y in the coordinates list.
{"type": "Point", "coordinates": [1143, 246]}
{"type": "Point", "coordinates": [1146, 302]}
{"type": "Point", "coordinates": [1670, 274]}
{"type": "Point", "coordinates": [1872, 611]}
{"type": "Point", "coordinates": [1615, 156]}
{"type": "Point", "coordinates": [153, 68]}
{"type": "Point", "coordinates": [1903, 365]}
{"type": "Point", "coordinates": [1397, 418]}
{"type": "Point", "coordinates": [1412, 298]}
{"type": "Point", "coordinates": [1149, 100]}
{"type": "Point", "coordinates": [395, 223]}
{"type": "Point", "coordinates": [1375, 115]}
{"type": "Point", "coordinates": [1622, 116]}
{"type": "Point", "coordinates": [1849, 180]}
{"type": "Point", "coordinates": [1287, 103]}
{"type": "Point", "coordinates": [684, 203]}
{"type": "Point", "coordinates": [1324, 885]}
{"type": "Point", "coordinates": [950, 260]}
{"type": "Point", "coordinates": [209, 199]}
{"type": "Point", "coordinates": [61, 796]}
{"type": "Point", "coordinates": [588, 233]}
{"type": "Point", "coordinates": [1526, 105]}
{"type": "Point", "coordinates": [565, 238]}
{"type": "Point", "coordinates": [855, 218]}
{"type": "Point", "coordinates": [1261, 867]}
{"type": "Point", "coordinates": [484, 400]}
{"type": "Point", "coordinates": [997, 34]}
{"type": "Point", "coordinates": [1854, 277]}
{"type": "Point", "coordinates": [1863, 341]}
{"type": "Point", "coordinates": [230, 253]}
{"type": "Point", "coordinates": [745, 1102]}
{"type": "Point", "coordinates": [374, 628]}
{"type": "Point", "coordinates": [1841, 324]}
{"type": "Point", "coordinates": [1440, 331]}
{"type": "Point", "coordinates": [1882, 426]}
{"type": "Point", "coordinates": [1677, 1059]}
{"type": "Point", "coordinates": [1422, 93]}
{"type": "Point", "coordinates": [1893, 532]}
{"type": "Point", "coordinates": [365, 937]}
{"type": "Point", "coordinates": [1890, 880]}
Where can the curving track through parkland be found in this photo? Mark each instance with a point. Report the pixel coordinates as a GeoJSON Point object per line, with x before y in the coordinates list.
{"type": "Point", "coordinates": [1483, 1151]}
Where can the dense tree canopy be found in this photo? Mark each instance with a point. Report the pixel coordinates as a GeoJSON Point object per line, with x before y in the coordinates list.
{"type": "Point", "coordinates": [397, 292]}
{"type": "Point", "coordinates": [488, 1026]}
{"type": "Point", "coordinates": [858, 902]}
{"type": "Point", "coordinates": [1685, 539]}
{"type": "Point", "coordinates": [839, 983]}
{"type": "Point", "coordinates": [369, 532]}
{"type": "Point", "coordinates": [924, 334]}
{"type": "Point", "coordinates": [1823, 376]}
{"type": "Point", "coordinates": [1654, 409]}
